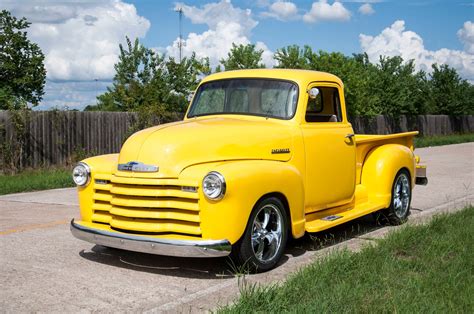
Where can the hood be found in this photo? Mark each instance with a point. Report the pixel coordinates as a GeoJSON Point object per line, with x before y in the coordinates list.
{"type": "Point", "coordinates": [175, 146]}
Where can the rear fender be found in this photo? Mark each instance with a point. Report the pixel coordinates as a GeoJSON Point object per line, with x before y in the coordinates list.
{"type": "Point", "coordinates": [380, 168]}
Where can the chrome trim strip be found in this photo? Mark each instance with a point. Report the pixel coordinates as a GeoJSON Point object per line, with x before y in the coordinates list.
{"type": "Point", "coordinates": [137, 166]}
{"type": "Point", "coordinates": [144, 244]}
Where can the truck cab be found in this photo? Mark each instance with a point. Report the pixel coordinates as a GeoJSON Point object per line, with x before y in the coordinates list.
{"type": "Point", "coordinates": [261, 156]}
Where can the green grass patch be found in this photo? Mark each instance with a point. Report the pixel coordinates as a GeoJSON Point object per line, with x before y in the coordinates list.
{"type": "Point", "coordinates": [428, 141]}
{"type": "Point", "coordinates": [33, 180]}
{"type": "Point", "coordinates": [428, 268]}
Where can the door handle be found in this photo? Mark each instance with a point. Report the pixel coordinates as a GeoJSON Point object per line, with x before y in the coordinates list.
{"type": "Point", "coordinates": [350, 135]}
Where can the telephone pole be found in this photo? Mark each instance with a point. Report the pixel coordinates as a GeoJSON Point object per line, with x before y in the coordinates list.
{"type": "Point", "coordinates": [181, 42]}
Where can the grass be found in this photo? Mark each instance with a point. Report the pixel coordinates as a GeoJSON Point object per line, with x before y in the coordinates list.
{"type": "Point", "coordinates": [427, 269]}
{"type": "Point", "coordinates": [428, 141]}
{"type": "Point", "coordinates": [33, 180]}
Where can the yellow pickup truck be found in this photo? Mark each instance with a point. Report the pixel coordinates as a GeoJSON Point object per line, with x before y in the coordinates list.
{"type": "Point", "coordinates": [261, 156]}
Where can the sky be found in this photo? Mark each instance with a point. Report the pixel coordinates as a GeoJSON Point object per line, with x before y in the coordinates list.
{"type": "Point", "coordinates": [80, 39]}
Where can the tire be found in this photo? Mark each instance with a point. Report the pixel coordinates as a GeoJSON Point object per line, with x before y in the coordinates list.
{"type": "Point", "coordinates": [399, 209]}
{"type": "Point", "coordinates": [265, 237]}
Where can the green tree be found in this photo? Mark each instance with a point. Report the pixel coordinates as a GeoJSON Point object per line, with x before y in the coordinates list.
{"type": "Point", "coordinates": [400, 89]}
{"type": "Point", "coordinates": [22, 72]}
{"type": "Point", "coordinates": [449, 94]}
{"type": "Point", "coordinates": [138, 82]}
{"type": "Point", "coordinates": [149, 83]}
{"type": "Point", "coordinates": [293, 57]}
{"type": "Point", "coordinates": [243, 57]}
{"type": "Point", "coordinates": [183, 77]}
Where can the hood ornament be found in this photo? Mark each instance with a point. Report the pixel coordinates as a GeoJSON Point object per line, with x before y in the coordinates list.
{"type": "Point", "coordinates": [137, 166]}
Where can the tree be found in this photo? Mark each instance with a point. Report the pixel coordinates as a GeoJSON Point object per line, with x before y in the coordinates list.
{"type": "Point", "coordinates": [22, 72]}
{"type": "Point", "coordinates": [449, 93]}
{"type": "Point", "coordinates": [138, 82]}
{"type": "Point", "coordinates": [243, 57]}
{"type": "Point", "coordinates": [400, 89]}
{"type": "Point", "coordinates": [146, 81]}
{"type": "Point", "coordinates": [293, 57]}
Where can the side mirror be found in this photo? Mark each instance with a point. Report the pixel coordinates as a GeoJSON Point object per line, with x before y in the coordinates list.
{"type": "Point", "coordinates": [313, 93]}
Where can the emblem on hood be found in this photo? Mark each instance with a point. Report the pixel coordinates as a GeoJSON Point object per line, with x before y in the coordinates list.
{"type": "Point", "coordinates": [136, 166]}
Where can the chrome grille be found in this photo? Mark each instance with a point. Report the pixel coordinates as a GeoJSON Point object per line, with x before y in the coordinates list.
{"type": "Point", "coordinates": [136, 205]}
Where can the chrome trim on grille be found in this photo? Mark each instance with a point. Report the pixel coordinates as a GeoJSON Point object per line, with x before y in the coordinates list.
{"type": "Point", "coordinates": [137, 166]}
{"type": "Point", "coordinates": [144, 244]}
{"type": "Point", "coordinates": [147, 205]}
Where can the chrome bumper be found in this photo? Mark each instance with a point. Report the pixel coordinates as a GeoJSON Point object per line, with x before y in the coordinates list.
{"type": "Point", "coordinates": [180, 248]}
{"type": "Point", "coordinates": [421, 178]}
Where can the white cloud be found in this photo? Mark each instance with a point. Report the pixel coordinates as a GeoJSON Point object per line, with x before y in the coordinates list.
{"type": "Point", "coordinates": [71, 94]}
{"type": "Point", "coordinates": [366, 9]}
{"type": "Point", "coordinates": [80, 39]}
{"type": "Point", "coordinates": [466, 35]}
{"type": "Point", "coordinates": [227, 24]}
{"type": "Point", "coordinates": [395, 41]}
{"type": "Point", "coordinates": [323, 11]}
{"type": "Point", "coordinates": [282, 11]}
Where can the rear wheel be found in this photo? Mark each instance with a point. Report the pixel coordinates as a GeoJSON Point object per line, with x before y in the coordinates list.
{"type": "Point", "coordinates": [265, 237]}
{"type": "Point", "coordinates": [399, 208]}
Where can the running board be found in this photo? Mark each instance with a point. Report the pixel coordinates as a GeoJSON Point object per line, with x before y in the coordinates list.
{"type": "Point", "coordinates": [322, 220]}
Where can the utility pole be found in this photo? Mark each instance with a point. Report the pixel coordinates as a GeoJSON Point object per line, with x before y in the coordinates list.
{"type": "Point", "coordinates": [96, 90]}
{"type": "Point", "coordinates": [181, 42]}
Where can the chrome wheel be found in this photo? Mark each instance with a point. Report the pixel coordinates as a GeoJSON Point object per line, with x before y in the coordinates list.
{"type": "Point", "coordinates": [401, 195]}
{"type": "Point", "coordinates": [267, 233]}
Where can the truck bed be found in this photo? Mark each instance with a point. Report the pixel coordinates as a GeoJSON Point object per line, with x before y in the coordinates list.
{"type": "Point", "coordinates": [366, 142]}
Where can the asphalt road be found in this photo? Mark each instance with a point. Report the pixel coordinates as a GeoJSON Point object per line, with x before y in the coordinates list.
{"type": "Point", "coordinates": [43, 268]}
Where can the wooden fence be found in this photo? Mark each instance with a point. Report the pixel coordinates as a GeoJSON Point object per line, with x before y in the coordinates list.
{"type": "Point", "coordinates": [58, 138]}
{"type": "Point", "coordinates": [63, 137]}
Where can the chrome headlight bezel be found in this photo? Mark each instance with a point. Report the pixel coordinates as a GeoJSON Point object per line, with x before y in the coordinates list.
{"type": "Point", "coordinates": [84, 168]}
{"type": "Point", "coordinates": [220, 191]}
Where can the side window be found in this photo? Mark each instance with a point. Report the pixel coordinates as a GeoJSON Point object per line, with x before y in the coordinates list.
{"type": "Point", "coordinates": [326, 107]}
{"type": "Point", "coordinates": [315, 105]}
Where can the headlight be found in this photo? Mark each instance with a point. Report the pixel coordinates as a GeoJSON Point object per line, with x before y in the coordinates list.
{"type": "Point", "coordinates": [213, 185]}
{"type": "Point", "coordinates": [81, 174]}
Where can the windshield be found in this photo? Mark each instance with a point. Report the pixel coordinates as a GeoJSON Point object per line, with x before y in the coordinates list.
{"type": "Point", "coordinates": [258, 97]}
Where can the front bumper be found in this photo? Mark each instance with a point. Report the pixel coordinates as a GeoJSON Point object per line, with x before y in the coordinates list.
{"type": "Point", "coordinates": [144, 244]}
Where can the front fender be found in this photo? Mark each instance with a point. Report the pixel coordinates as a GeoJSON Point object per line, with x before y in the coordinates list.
{"type": "Point", "coordinates": [103, 164]}
{"type": "Point", "coordinates": [380, 168]}
{"type": "Point", "coordinates": [247, 181]}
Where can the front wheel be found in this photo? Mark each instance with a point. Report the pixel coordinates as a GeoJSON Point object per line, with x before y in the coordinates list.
{"type": "Point", "coordinates": [265, 237]}
{"type": "Point", "coordinates": [399, 208]}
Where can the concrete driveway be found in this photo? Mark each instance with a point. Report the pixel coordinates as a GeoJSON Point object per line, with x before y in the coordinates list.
{"type": "Point", "coordinates": [45, 269]}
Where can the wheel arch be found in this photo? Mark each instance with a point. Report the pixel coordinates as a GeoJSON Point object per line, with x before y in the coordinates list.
{"type": "Point", "coordinates": [286, 206]}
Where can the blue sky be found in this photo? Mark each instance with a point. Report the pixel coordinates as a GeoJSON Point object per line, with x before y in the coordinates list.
{"type": "Point", "coordinates": [435, 21]}
{"type": "Point", "coordinates": [80, 38]}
